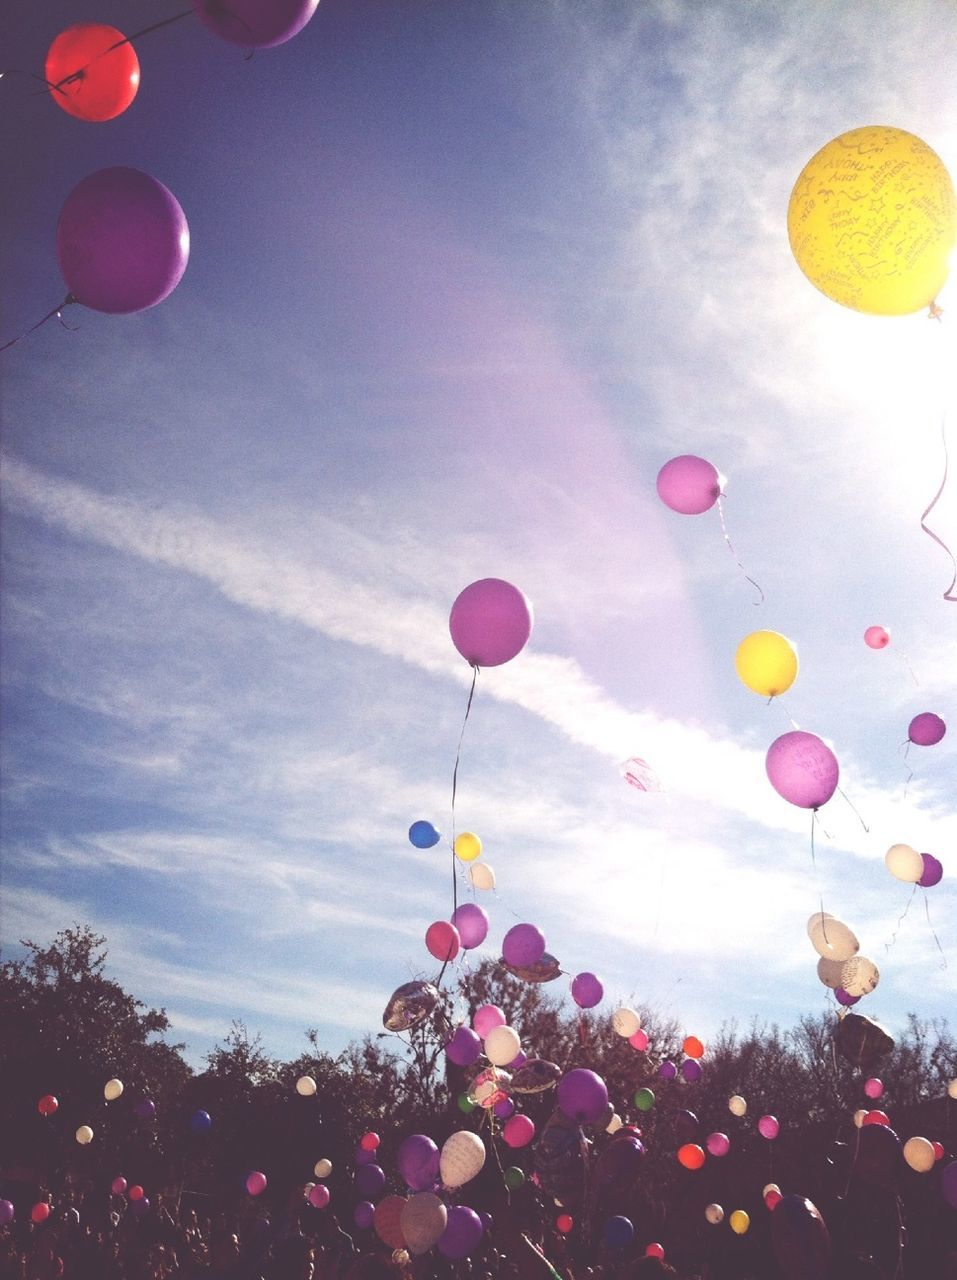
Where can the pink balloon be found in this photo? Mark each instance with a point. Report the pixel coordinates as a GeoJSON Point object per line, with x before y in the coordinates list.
{"type": "Point", "coordinates": [488, 1017]}
{"type": "Point", "coordinates": [122, 241]}
{"type": "Point", "coordinates": [639, 1040]}
{"type": "Point", "coordinates": [926, 730]}
{"type": "Point", "coordinates": [319, 1195]}
{"type": "Point", "coordinates": [689, 485]}
{"type": "Point", "coordinates": [518, 1131]}
{"type": "Point", "coordinates": [876, 638]}
{"type": "Point", "coordinates": [718, 1144]}
{"type": "Point", "coordinates": [873, 1087]}
{"type": "Point", "coordinates": [255, 24]}
{"type": "Point", "coordinates": [768, 1127]}
{"type": "Point", "coordinates": [471, 922]}
{"type": "Point", "coordinates": [442, 940]}
{"type": "Point", "coordinates": [256, 1183]}
{"type": "Point", "coordinates": [490, 622]}
{"type": "Point", "coordinates": [802, 769]}
{"type": "Point", "coordinates": [118, 1186]}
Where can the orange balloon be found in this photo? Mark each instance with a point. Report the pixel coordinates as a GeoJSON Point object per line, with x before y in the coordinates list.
{"type": "Point", "coordinates": [691, 1156]}
{"type": "Point", "coordinates": [387, 1221]}
{"type": "Point", "coordinates": [693, 1048]}
{"type": "Point", "coordinates": [88, 77]}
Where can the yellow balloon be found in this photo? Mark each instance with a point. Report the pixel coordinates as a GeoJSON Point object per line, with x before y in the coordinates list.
{"type": "Point", "coordinates": [919, 1154]}
{"type": "Point", "coordinates": [872, 221]}
{"type": "Point", "coordinates": [467, 846]}
{"type": "Point", "coordinates": [739, 1221]}
{"type": "Point", "coordinates": [114, 1088]}
{"type": "Point", "coordinates": [766, 662]}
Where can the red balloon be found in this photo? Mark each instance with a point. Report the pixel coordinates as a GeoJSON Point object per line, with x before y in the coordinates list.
{"type": "Point", "coordinates": [691, 1156]}
{"type": "Point", "coordinates": [47, 1105]}
{"type": "Point", "coordinates": [136, 1192]}
{"type": "Point", "coordinates": [40, 1211]}
{"type": "Point", "coordinates": [369, 1142]}
{"type": "Point", "coordinates": [442, 940]}
{"type": "Point", "coordinates": [655, 1250]}
{"type": "Point", "coordinates": [876, 1117]}
{"type": "Point", "coordinates": [89, 78]}
{"type": "Point", "coordinates": [564, 1222]}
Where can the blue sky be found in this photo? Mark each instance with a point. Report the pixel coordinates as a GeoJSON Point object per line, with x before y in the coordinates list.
{"type": "Point", "coordinates": [462, 278]}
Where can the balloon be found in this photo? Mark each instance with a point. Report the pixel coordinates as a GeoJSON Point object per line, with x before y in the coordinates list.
{"type": "Point", "coordinates": [255, 24]}
{"type": "Point", "coordinates": [514, 1177]}
{"type": "Point", "coordinates": [518, 1131]}
{"type": "Point", "coordinates": [686, 1125]}
{"type": "Point", "coordinates": [859, 1115]}
{"type": "Point", "coordinates": [145, 1109]}
{"type": "Point", "coordinates": [7, 1212]}
{"type": "Point", "coordinates": [319, 1196]}
{"type": "Point", "coordinates": [482, 876]}
{"type": "Point", "coordinates": [47, 1105]}
{"type": "Point", "coordinates": [587, 990]}
{"type": "Point", "coordinates": [692, 1047]}
{"type": "Point", "coordinates": [831, 938]}
{"type": "Point", "coordinates": [490, 622]}
{"type": "Point", "coordinates": [938, 1149]}
{"type": "Point", "coordinates": [563, 1223]}
{"type": "Point", "coordinates": [625, 1021]}
{"type": "Point", "coordinates": [40, 1212]}
{"type": "Point", "coordinates": [878, 1155]}
{"type": "Point", "coordinates": [667, 1070]}
{"type": "Point", "coordinates": [305, 1086]}
{"type": "Point", "coordinates": [919, 1154]}
{"type": "Point", "coordinates": [737, 1105]}
{"type": "Point", "coordinates": [523, 945]}
{"type": "Point", "coordinates": [766, 662]}
{"type": "Point", "coordinates": [714, 1213]}
{"type": "Point", "coordinates": [461, 1158]}
{"type": "Point", "coordinates": [639, 1040]}
{"type": "Point", "coordinates": [644, 1099]}
{"type": "Point", "coordinates": [692, 1070]}
{"type": "Point", "coordinates": [471, 923]}
{"type": "Point", "coordinates": [370, 1179]}
{"type": "Point", "coordinates": [323, 1168]}
{"type": "Point", "coordinates": [487, 1017]}
{"type": "Point", "coordinates": [952, 1088]}
{"type": "Point", "coordinates": [463, 1232]}
{"type": "Point", "coordinates": [122, 241]}
{"type": "Point", "coordinates": [904, 863]}
{"type": "Point", "coordinates": [873, 1087]}
{"type": "Point", "coordinates": [136, 1192]}
{"type": "Point", "coordinates": [387, 1219]}
{"type": "Point", "coordinates": [876, 638]}
{"type": "Point", "coordinates": [467, 846]}
{"type": "Point", "coordinates": [418, 1161]}
{"type": "Point", "coordinates": [876, 1117]}
{"type": "Point", "coordinates": [689, 485]}
{"type": "Point", "coordinates": [621, 1160]}
{"type": "Point", "coordinates": [464, 1047]}
{"type": "Point", "coordinates": [800, 1237]}
{"type": "Point", "coordinates": [112, 1090]}
{"type": "Point", "coordinates": [926, 730]}
{"type": "Point", "coordinates": [363, 1214]}
{"type": "Point", "coordinates": [739, 1221]}
{"type": "Point", "coordinates": [255, 1183]}
{"type": "Point", "coordinates": [691, 1156]}
{"type": "Point", "coordinates": [582, 1095]}
{"type": "Point", "coordinates": [423, 1220]}
{"type": "Point", "coordinates": [88, 77]}
{"type": "Point", "coordinates": [948, 1184]}
{"type": "Point", "coordinates": [872, 220]}
{"type": "Point", "coordinates": [489, 1087]}
{"type": "Point", "coordinates": [859, 976]}
{"type": "Point", "coordinates": [718, 1144]}
{"type": "Point", "coordinates": [559, 1159]}
{"type": "Point", "coordinates": [423, 835]}
{"type": "Point", "coordinates": [639, 774]}
{"type": "Point", "coordinates": [655, 1250]}
{"type": "Point", "coordinates": [409, 1005]}
{"type": "Point", "coordinates": [932, 873]}
{"type": "Point", "coordinates": [802, 769]}
{"type": "Point", "coordinates": [501, 1046]}
{"type": "Point", "coordinates": [768, 1127]}
{"type": "Point", "coordinates": [118, 1186]}
{"type": "Point", "coordinates": [618, 1232]}
{"type": "Point", "coordinates": [465, 1103]}
{"type": "Point", "coordinates": [84, 1135]}
{"type": "Point", "coordinates": [843, 998]}
{"type": "Point", "coordinates": [614, 1124]}
{"type": "Point", "coordinates": [772, 1195]}
{"type": "Point", "coordinates": [546, 970]}
{"type": "Point", "coordinates": [830, 972]}
{"type": "Point", "coordinates": [535, 1076]}
{"type": "Point", "coordinates": [442, 940]}
{"type": "Point", "coordinates": [370, 1142]}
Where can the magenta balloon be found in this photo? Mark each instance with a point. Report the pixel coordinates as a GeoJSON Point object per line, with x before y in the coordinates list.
{"type": "Point", "coordinates": [487, 1017]}
{"type": "Point", "coordinates": [255, 24]}
{"type": "Point", "coordinates": [518, 1131]}
{"type": "Point", "coordinates": [583, 1096]}
{"type": "Point", "coordinates": [667, 1070]}
{"type": "Point", "coordinates": [718, 1144]}
{"type": "Point", "coordinates": [926, 730]}
{"type": "Point", "coordinates": [319, 1195]}
{"type": "Point", "coordinates": [843, 998]}
{"type": "Point", "coordinates": [490, 622]}
{"type": "Point", "coordinates": [122, 241]}
{"type": "Point", "coordinates": [876, 638]}
{"type": "Point", "coordinates": [464, 1047]}
{"type": "Point", "coordinates": [689, 485]}
{"type": "Point", "coordinates": [418, 1161]}
{"type": "Point", "coordinates": [933, 871]}
{"type": "Point", "coordinates": [802, 769]}
{"type": "Point", "coordinates": [587, 990]}
{"type": "Point", "coordinates": [472, 924]}
{"type": "Point", "coordinates": [523, 945]}
{"type": "Point", "coordinates": [768, 1127]}
{"type": "Point", "coordinates": [463, 1231]}
{"type": "Point", "coordinates": [7, 1212]}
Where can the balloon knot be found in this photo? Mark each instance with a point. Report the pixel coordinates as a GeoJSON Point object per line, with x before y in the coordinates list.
{"type": "Point", "coordinates": [934, 312]}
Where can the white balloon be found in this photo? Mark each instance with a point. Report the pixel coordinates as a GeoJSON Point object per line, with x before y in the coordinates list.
{"type": "Point", "coordinates": [502, 1045]}
{"type": "Point", "coordinates": [859, 976]}
{"type": "Point", "coordinates": [859, 1115]}
{"type": "Point", "coordinates": [305, 1086]}
{"type": "Point", "coordinates": [112, 1090]}
{"type": "Point", "coordinates": [832, 939]}
{"type": "Point", "coordinates": [714, 1213]}
{"type": "Point", "coordinates": [904, 863]}
{"type": "Point", "coordinates": [919, 1154]}
{"type": "Point", "coordinates": [816, 919]}
{"type": "Point", "coordinates": [831, 972]}
{"type": "Point", "coordinates": [614, 1124]}
{"type": "Point", "coordinates": [482, 875]}
{"type": "Point", "coordinates": [323, 1168]}
{"type": "Point", "coordinates": [737, 1105]}
{"type": "Point", "coordinates": [952, 1088]}
{"type": "Point", "coordinates": [84, 1135]}
{"type": "Point", "coordinates": [625, 1021]}
{"type": "Point", "coordinates": [461, 1158]}
{"type": "Point", "coordinates": [422, 1221]}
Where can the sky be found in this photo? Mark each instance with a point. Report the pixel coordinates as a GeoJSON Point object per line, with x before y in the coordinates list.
{"type": "Point", "coordinates": [462, 279]}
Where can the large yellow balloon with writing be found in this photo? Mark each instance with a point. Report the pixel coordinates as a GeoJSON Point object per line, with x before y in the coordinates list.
{"type": "Point", "coordinates": [872, 221]}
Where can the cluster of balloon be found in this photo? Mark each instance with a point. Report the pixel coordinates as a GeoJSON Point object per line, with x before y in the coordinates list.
{"type": "Point", "coordinates": [93, 71]}
{"type": "Point", "coordinates": [802, 1243]}
{"type": "Point", "coordinates": [849, 975]}
{"type": "Point", "coordinates": [905, 863]}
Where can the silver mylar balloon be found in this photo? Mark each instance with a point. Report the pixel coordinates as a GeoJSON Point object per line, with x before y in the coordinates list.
{"type": "Point", "coordinates": [546, 970]}
{"type": "Point", "coordinates": [409, 1005]}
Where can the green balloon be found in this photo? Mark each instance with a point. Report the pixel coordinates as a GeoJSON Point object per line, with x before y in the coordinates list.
{"type": "Point", "coordinates": [644, 1099]}
{"type": "Point", "coordinates": [514, 1177]}
{"type": "Point", "coordinates": [465, 1103]}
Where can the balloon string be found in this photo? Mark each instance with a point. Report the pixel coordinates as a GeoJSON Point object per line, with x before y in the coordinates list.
{"type": "Point", "coordinates": [556, 1275]}
{"type": "Point", "coordinates": [910, 772]}
{"type": "Point", "coordinates": [943, 957]}
{"type": "Point", "coordinates": [949, 593]}
{"type": "Point", "coordinates": [900, 921]}
{"type": "Point", "coordinates": [724, 530]}
{"type": "Point", "coordinates": [68, 301]}
{"type": "Point", "coordinates": [843, 794]}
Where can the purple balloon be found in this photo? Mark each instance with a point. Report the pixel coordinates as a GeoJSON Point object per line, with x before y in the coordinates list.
{"type": "Point", "coordinates": [490, 622]}
{"type": "Point", "coordinates": [689, 485]}
{"type": "Point", "coordinates": [692, 1070]}
{"type": "Point", "coordinates": [518, 1061]}
{"type": "Point", "coordinates": [933, 871]}
{"type": "Point", "coordinates": [364, 1157]}
{"type": "Point", "coordinates": [463, 1231]}
{"type": "Point", "coordinates": [802, 769]}
{"type": "Point", "coordinates": [145, 1109]}
{"type": "Point", "coordinates": [122, 241]}
{"type": "Point", "coordinates": [504, 1108]}
{"type": "Point", "coordinates": [926, 730]}
{"type": "Point", "coordinates": [370, 1179]}
{"type": "Point", "coordinates": [464, 1047]}
{"type": "Point", "coordinates": [7, 1212]}
{"type": "Point", "coordinates": [418, 1162]}
{"type": "Point", "coordinates": [140, 1207]}
{"type": "Point", "coordinates": [587, 990]}
{"type": "Point", "coordinates": [255, 24]}
{"type": "Point", "coordinates": [667, 1070]}
{"type": "Point", "coordinates": [363, 1214]}
{"type": "Point", "coordinates": [523, 945]}
{"type": "Point", "coordinates": [583, 1096]}
{"type": "Point", "coordinates": [843, 998]}
{"type": "Point", "coordinates": [472, 924]}
{"type": "Point", "coordinates": [948, 1183]}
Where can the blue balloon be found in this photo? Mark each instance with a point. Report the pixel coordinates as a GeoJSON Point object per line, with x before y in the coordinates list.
{"type": "Point", "coordinates": [618, 1233]}
{"type": "Point", "coordinates": [200, 1122]}
{"type": "Point", "coordinates": [423, 835]}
